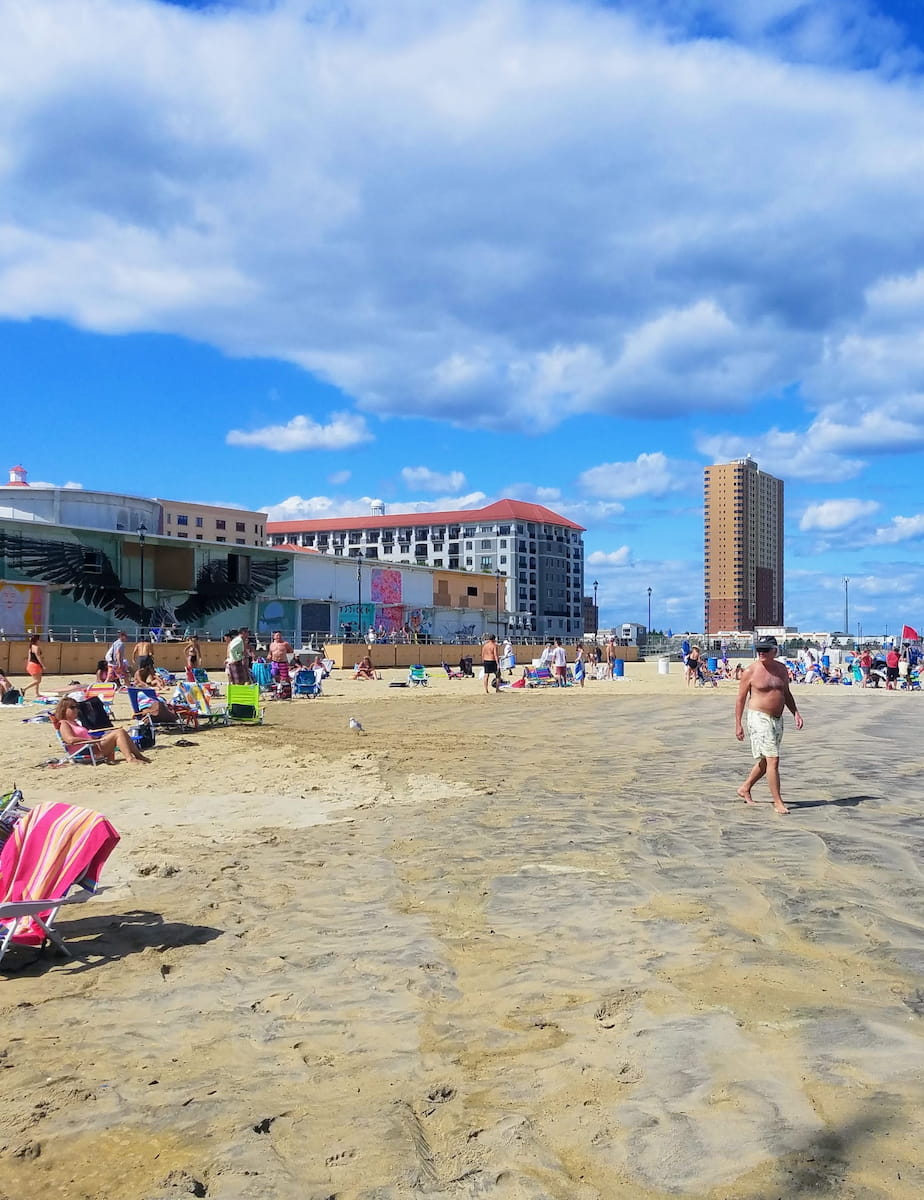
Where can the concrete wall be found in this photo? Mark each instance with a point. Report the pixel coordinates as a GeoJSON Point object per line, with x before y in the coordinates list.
{"type": "Point", "coordinates": [386, 656]}
{"type": "Point", "coordinates": [76, 507]}
{"type": "Point", "coordinates": [79, 659]}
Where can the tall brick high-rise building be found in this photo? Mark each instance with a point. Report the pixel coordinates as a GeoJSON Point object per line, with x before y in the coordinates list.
{"type": "Point", "coordinates": [743, 553]}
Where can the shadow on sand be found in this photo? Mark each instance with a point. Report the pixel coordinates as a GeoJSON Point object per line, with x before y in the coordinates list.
{"type": "Point", "coordinates": [843, 802]}
{"type": "Point", "coordinates": [106, 939]}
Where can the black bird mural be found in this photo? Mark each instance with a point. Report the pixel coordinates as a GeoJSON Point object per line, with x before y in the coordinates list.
{"type": "Point", "coordinates": [87, 575]}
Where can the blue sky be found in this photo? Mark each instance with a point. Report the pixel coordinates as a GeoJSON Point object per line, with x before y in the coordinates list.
{"type": "Point", "coordinates": [305, 254]}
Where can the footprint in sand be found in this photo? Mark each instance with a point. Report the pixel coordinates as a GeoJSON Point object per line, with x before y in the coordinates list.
{"type": "Point", "coordinates": [606, 1013]}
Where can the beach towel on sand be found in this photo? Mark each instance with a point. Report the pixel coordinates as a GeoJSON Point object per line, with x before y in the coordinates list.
{"type": "Point", "coordinates": [52, 848]}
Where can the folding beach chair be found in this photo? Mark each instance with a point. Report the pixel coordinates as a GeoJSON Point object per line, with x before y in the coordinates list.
{"type": "Point", "coordinates": [193, 697]}
{"type": "Point", "coordinates": [164, 676]}
{"type": "Point", "coordinates": [450, 673]}
{"type": "Point", "coordinates": [52, 848]}
{"type": "Point", "coordinates": [417, 676]}
{"type": "Point", "coordinates": [187, 718]}
{"type": "Point", "coordinates": [87, 753]}
{"type": "Point", "coordinates": [105, 692]}
{"type": "Point", "coordinates": [244, 704]}
{"type": "Point", "coordinates": [306, 683]}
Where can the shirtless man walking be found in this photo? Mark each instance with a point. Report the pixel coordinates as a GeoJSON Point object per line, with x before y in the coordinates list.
{"type": "Point", "coordinates": [764, 687]}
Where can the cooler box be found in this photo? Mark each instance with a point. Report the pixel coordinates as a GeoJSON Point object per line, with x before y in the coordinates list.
{"type": "Point", "coordinates": [619, 668]}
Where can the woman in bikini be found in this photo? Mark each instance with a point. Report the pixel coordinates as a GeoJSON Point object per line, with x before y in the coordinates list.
{"type": "Point", "coordinates": [74, 735]}
{"type": "Point", "coordinates": [35, 666]}
{"type": "Point", "coordinates": [193, 658]}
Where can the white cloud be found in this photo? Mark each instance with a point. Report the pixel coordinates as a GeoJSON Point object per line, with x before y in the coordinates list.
{"type": "Point", "coordinates": [610, 558]}
{"type": "Point", "coordinates": [294, 508]}
{"type": "Point", "coordinates": [413, 202]}
{"type": "Point", "coordinates": [835, 514]}
{"type": "Point", "coordinates": [339, 477]}
{"type": "Point", "coordinates": [788, 455]}
{"type": "Point", "coordinates": [43, 483]}
{"type": "Point", "coordinates": [302, 433]}
{"type": "Point", "coordinates": [650, 475]}
{"type": "Point", "coordinates": [422, 479]}
{"type": "Point", "coordinates": [901, 529]}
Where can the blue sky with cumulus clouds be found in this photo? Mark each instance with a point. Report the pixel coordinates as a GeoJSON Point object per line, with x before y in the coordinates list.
{"type": "Point", "coordinates": [304, 255]}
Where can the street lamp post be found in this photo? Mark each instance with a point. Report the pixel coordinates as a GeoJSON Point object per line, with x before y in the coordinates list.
{"type": "Point", "coordinates": [142, 530]}
{"type": "Point", "coordinates": [497, 579]}
{"type": "Point", "coordinates": [649, 613]}
{"type": "Point", "coordinates": [359, 597]}
{"type": "Point", "coordinates": [596, 612]}
{"type": "Point", "coordinates": [846, 607]}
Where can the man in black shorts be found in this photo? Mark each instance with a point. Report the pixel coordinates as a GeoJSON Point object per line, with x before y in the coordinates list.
{"type": "Point", "coordinates": [490, 662]}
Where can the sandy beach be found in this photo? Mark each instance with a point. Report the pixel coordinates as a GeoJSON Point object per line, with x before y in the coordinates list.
{"type": "Point", "coordinates": [529, 946]}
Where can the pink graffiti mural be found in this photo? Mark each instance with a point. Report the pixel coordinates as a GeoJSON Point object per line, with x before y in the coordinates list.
{"type": "Point", "coordinates": [386, 586]}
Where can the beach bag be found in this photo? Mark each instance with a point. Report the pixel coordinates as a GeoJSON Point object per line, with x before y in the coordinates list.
{"type": "Point", "coordinates": [93, 714]}
{"type": "Point", "coordinates": [11, 697]}
{"type": "Point", "coordinates": [143, 736]}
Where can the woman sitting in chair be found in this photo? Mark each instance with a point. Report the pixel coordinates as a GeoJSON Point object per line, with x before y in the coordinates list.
{"type": "Point", "coordinates": [364, 669]}
{"type": "Point", "coordinates": [74, 735]}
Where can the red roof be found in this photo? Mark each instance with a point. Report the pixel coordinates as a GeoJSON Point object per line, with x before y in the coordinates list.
{"type": "Point", "coordinates": [502, 510]}
{"type": "Point", "coordinates": [300, 549]}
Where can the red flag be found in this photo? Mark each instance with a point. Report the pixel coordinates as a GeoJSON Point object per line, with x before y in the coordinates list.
{"type": "Point", "coordinates": [909, 634]}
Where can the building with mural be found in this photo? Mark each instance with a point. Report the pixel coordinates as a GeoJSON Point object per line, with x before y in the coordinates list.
{"type": "Point", "coordinates": [536, 554]}
{"type": "Point", "coordinates": [342, 597]}
{"type": "Point", "coordinates": [78, 565]}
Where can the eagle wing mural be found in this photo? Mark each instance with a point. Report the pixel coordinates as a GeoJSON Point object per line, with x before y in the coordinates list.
{"type": "Point", "coordinates": [82, 572]}
{"type": "Point", "coordinates": [215, 592]}
{"type": "Point", "coordinates": [87, 575]}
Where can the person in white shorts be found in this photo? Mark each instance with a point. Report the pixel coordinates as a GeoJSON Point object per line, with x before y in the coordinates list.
{"type": "Point", "coordinates": [764, 687]}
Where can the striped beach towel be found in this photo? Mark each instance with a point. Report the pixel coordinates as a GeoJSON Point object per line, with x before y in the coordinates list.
{"type": "Point", "coordinates": [52, 848]}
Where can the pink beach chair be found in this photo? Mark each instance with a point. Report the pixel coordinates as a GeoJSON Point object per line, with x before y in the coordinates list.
{"type": "Point", "coordinates": [52, 848]}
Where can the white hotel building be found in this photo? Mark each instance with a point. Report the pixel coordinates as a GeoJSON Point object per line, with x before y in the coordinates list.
{"type": "Point", "coordinates": [540, 553]}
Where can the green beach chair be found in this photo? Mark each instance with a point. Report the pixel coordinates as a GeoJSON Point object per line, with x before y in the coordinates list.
{"type": "Point", "coordinates": [243, 704]}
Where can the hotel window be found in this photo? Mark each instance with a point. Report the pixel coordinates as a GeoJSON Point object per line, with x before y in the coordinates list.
{"type": "Point", "coordinates": [472, 591]}
{"type": "Point", "coordinates": [198, 537]}
{"type": "Point", "coordinates": [487, 562]}
{"type": "Point", "coordinates": [240, 527]}
{"type": "Point", "coordinates": [185, 535]}
{"type": "Point", "coordinates": [240, 541]}
{"type": "Point", "coordinates": [220, 525]}
{"type": "Point", "coordinates": [219, 539]}
{"type": "Point", "coordinates": [198, 522]}
{"type": "Point", "coordinates": [486, 544]}
{"type": "Point", "coordinates": [437, 562]}
{"type": "Point", "coordinates": [169, 518]}
{"type": "Point", "coordinates": [182, 519]}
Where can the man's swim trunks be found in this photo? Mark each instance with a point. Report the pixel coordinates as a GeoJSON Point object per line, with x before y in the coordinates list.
{"type": "Point", "coordinates": [766, 733]}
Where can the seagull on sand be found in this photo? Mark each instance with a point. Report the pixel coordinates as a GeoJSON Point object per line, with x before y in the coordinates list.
{"type": "Point", "coordinates": [355, 726]}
